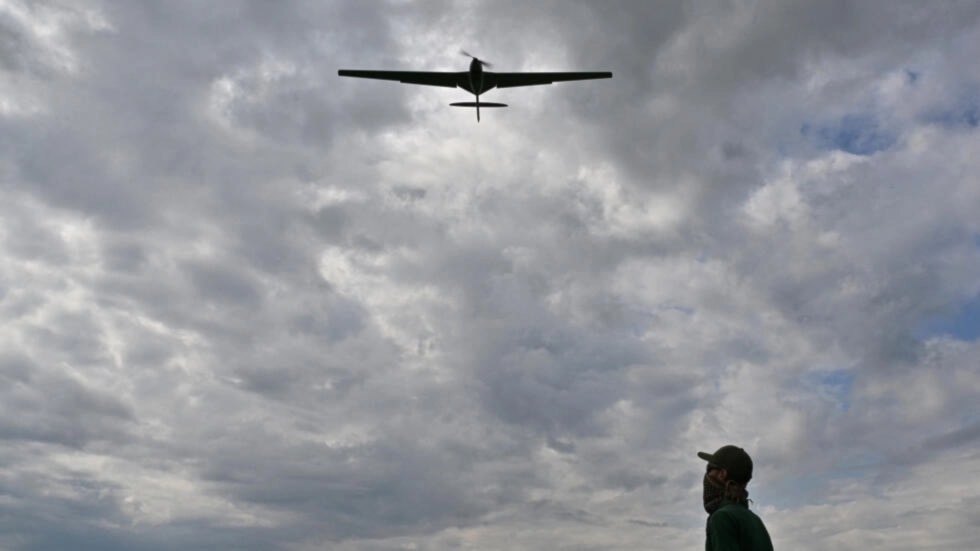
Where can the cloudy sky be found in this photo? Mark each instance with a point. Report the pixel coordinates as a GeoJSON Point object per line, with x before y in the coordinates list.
{"type": "Point", "coordinates": [248, 304]}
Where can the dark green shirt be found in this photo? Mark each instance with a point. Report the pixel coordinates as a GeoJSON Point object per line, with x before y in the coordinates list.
{"type": "Point", "coordinates": [733, 527]}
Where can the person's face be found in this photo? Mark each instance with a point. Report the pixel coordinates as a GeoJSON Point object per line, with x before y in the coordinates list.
{"type": "Point", "coordinates": [717, 473]}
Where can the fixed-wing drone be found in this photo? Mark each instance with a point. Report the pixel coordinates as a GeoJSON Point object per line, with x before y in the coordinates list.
{"type": "Point", "coordinates": [476, 80]}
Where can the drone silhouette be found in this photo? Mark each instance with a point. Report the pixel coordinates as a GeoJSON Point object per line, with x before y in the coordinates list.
{"type": "Point", "coordinates": [476, 81]}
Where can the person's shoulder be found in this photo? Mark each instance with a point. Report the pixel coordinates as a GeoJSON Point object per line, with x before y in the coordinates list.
{"type": "Point", "coordinates": [739, 519]}
{"type": "Point", "coordinates": [727, 513]}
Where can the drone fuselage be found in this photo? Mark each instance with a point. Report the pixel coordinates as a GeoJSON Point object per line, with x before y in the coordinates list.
{"type": "Point", "coordinates": [477, 84]}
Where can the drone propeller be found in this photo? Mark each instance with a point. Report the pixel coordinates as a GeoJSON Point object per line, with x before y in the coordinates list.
{"type": "Point", "coordinates": [478, 60]}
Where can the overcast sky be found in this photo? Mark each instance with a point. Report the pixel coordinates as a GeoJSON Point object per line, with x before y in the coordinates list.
{"type": "Point", "coordinates": [248, 304]}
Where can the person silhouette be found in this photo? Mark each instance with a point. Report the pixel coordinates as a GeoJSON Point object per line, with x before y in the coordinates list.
{"type": "Point", "coordinates": [731, 525]}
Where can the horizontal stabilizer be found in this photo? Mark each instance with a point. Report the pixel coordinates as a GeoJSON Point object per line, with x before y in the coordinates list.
{"type": "Point", "coordinates": [474, 104]}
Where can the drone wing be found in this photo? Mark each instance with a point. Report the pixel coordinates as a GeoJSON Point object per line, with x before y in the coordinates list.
{"type": "Point", "coordinates": [429, 78]}
{"type": "Point", "coordinates": [510, 80]}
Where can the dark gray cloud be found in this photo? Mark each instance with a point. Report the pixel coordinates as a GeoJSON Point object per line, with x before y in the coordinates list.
{"type": "Point", "coordinates": [41, 404]}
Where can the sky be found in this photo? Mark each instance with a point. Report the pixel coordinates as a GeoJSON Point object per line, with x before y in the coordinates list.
{"type": "Point", "coordinates": [248, 304]}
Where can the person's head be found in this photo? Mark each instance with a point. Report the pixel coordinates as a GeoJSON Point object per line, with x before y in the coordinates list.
{"type": "Point", "coordinates": [729, 464]}
{"type": "Point", "coordinates": [729, 471]}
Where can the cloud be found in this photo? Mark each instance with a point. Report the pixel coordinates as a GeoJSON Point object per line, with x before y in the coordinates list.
{"type": "Point", "coordinates": [244, 300]}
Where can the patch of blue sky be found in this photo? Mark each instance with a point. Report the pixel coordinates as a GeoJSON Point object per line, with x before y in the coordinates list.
{"type": "Point", "coordinates": [858, 134]}
{"type": "Point", "coordinates": [837, 385]}
{"type": "Point", "coordinates": [966, 114]}
{"type": "Point", "coordinates": [962, 323]}
{"type": "Point", "coordinates": [834, 386]}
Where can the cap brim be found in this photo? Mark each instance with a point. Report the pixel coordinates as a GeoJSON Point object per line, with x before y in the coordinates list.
{"type": "Point", "coordinates": [706, 456]}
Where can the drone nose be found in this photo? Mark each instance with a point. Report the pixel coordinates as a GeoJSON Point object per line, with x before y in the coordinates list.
{"type": "Point", "coordinates": [476, 59]}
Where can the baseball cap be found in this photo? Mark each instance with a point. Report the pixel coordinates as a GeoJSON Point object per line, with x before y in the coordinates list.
{"type": "Point", "coordinates": [733, 459]}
